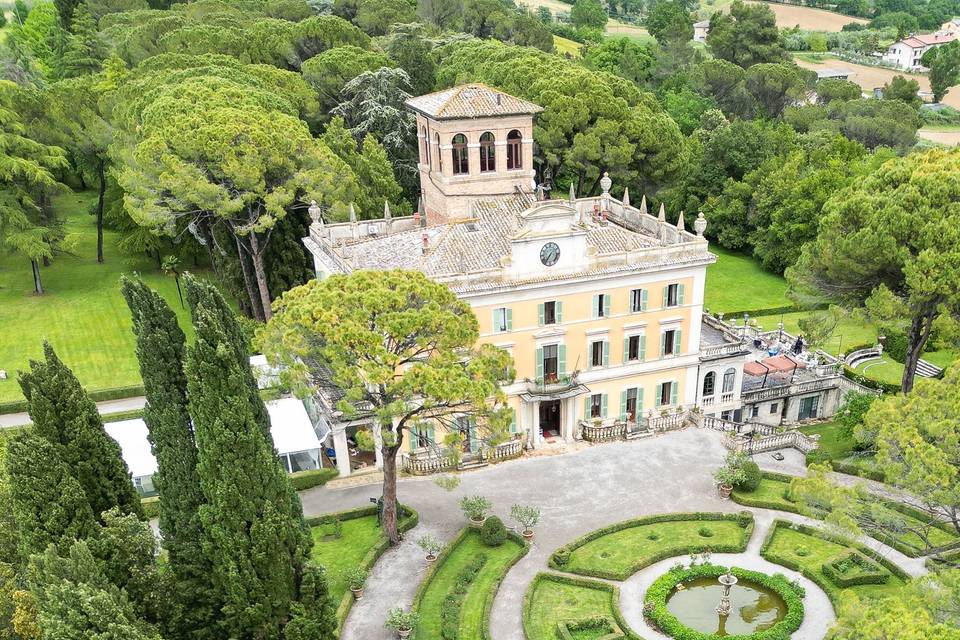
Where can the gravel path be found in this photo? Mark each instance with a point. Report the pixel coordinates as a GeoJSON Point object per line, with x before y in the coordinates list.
{"type": "Point", "coordinates": [577, 493]}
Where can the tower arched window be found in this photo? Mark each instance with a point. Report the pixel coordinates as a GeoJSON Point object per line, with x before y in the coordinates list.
{"type": "Point", "coordinates": [514, 150]}
{"type": "Point", "coordinates": [461, 164]}
{"type": "Point", "coordinates": [709, 384]}
{"type": "Point", "coordinates": [424, 146]}
{"type": "Point", "coordinates": [729, 377]}
{"type": "Point", "coordinates": [488, 159]}
{"type": "Point", "coordinates": [439, 153]}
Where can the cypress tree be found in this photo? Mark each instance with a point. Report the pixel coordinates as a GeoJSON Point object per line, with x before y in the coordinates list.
{"type": "Point", "coordinates": [161, 348]}
{"type": "Point", "coordinates": [65, 416]}
{"type": "Point", "coordinates": [253, 530]}
{"type": "Point", "coordinates": [85, 50]}
{"type": "Point", "coordinates": [47, 502]}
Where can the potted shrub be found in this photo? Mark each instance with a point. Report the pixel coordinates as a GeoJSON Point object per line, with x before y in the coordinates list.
{"type": "Point", "coordinates": [526, 518]}
{"type": "Point", "coordinates": [730, 474]}
{"type": "Point", "coordinates": [401, 621]}
{"type": "Point", "coordinates": [356, 578]}
{"type": "Point", "coordinates": [431, 546]}
{"type": "Point", "coordinates": [476, 509]}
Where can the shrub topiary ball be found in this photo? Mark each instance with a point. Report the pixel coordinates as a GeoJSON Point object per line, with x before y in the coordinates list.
{"type": "Point", "coordinates": [493, 533]}
{"type": "Point", "coordinates": [751, 478]}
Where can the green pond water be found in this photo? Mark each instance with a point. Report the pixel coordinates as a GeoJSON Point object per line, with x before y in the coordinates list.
{"type": "Point", "coordinates": [752, 607]}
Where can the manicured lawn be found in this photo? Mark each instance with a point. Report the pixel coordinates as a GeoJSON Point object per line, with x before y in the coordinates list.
{"type": "Point", "coordinates": [943, 358]}
{"type": "Point", "coordinates": [554, 598]}
{"type": "Point", "coordinates": [565, 46]}
{"type": "Point", "coordinates": [82, 313]}
{"type": "Point", "coordinates": [786, 542]}
{"type": "Point", "coordinates": [834, 444]}
{"type": "Point", "coordinates": [619, 554]}
{"type": "Point", "coordinates": [482, 589]}
{"type": "Point", "coordinates": [342, 554]}
{"type": "Point", "coordinates": [768, 495]}
{"type": "Point", "coordinates": [737, 282]}
{"type": "Point", "coordinates": [886, 369]}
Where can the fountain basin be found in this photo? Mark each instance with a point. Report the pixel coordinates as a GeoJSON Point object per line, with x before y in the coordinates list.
{"type": "Point", "coordinates": [683, 603]}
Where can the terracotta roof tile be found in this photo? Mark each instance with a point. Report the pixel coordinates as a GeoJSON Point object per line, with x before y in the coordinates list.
{"type": "Point", "coordinates": [470, 101]}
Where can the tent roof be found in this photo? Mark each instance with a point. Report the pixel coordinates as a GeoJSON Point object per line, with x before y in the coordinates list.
{"type": "Point", "coordinates": [290, 426]}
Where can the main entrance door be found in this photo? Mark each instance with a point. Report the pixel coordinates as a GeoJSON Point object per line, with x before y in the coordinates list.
{"type": "Point", "coordinates": [550, 418]}
{"type": "Point", "coordinates": [808, 407]}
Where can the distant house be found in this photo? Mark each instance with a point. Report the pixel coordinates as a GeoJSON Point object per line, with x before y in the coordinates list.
{"type": "Point", "coordinates": [700, 30]}
{"type": "Point", "coordinates": [834, 74]}
{"type": "Point", "coordinates": [907, 53]}
{"type": "Point", "coordinates": [295, 442]}
{"type": "Point", "coordinates": [951, 26]}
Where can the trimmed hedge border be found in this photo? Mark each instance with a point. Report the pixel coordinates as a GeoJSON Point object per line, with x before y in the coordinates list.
{"type": "Point", "coordinates": [605, 623]}
{"type": "Point", "coordinates": [488, 597]}
{"type": "Point", "coordinates": [151, 507]}
{"type": "Point", "coordinates": [772, 311]}
{"type": "Point", "coordinates": [817, 576]}
{"type": "Point", "coordinates": [656, 612]}
{"type": "Point", "coordinates": [302, 480]}
{"type": "Point", "coordinates": [557, 560]}
{"type": "Point", "coordinates": [97, 395]}
{"type": "Point", "coordinates": [408, 520]}
{"type": "Point", "coordinates": [117, 416]}
{"type": "Point", "coordinates": [613, 589]}
{"type": "Point", "coordinates": [746, 499]}
{"type": "Point", "coordinates": [867, 571]}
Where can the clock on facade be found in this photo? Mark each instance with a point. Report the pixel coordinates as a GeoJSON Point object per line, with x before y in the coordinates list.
{"type": "Point", "coordinates": [549, 254]}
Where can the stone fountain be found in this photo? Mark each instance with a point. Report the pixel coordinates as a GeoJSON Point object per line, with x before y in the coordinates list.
{"type": "Point", "coordinates": [727, 580]}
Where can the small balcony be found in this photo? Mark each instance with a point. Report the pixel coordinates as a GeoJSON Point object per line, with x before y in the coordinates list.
{"type": "Point", "coordinates": [555, 386]}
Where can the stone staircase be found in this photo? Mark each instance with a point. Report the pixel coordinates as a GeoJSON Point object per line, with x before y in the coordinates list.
{"type": "Point", "coordinates": [927, 369]}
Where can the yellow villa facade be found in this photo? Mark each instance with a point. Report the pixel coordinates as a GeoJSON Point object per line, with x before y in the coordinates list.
{"type": "Point", "coordinates": [599, 303]}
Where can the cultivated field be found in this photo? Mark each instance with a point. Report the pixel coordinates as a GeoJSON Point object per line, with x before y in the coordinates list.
{"type": "Point", "coordinates": [809, 18]}
{"type": "Point", "coordinates": [950, 137]}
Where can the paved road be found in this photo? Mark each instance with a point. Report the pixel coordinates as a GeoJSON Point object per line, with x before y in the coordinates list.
{"type": "Point", "coordinates": [105, 407]}
{"type": "Point", "coordinates": [577, 493]}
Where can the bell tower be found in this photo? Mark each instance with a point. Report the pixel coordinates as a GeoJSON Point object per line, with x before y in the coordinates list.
{"type": "Point", "coordinates": [474, 142]}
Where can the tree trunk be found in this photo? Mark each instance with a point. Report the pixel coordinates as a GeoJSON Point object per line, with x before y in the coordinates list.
{"type": "Point", "coordinates": [103, 188]}
{"type": "Point", "coordinates": [919, 332]}
{"type": "Point", "coordinates": [390, 515]}
{"type": "Point", "coordinates": [45, 219]}
{"type": "Point", "coordinates": [37, 284]}
{"type": "Point", "coordinates": [204, 228]}
{"type": "Point", "coordinates": [256, 254]}
{"type": "Point", "coordinates": [248, 281]}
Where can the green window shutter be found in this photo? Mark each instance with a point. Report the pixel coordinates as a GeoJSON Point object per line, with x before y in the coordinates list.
{"type": "Point", "coordinates": [656, 401]}
{"type": "Point", "coordinates": [678, 342]}
{"type": "Point", "coordinates": [539, 357]}
{"type": "Point", "coordinates": [509, 319]}
{"type": "Point", "coordinates": [623, 404]}
{"type": "Point", "coordinates": [606, 305]}
{"type": "Point", "coordinates": [643, 348]}
{"type": "Point", "coordinates": [513, 420]}
{"type": "Point", "coordinates": [639, 403]}
{"type": "Point", "coordinates": [666, 295]}
{"type": "Point", "coordinates": [606, 353]}
{"type": "Point", "coordinates": [674, 391]}
{"type": "Point", "coordinates": [663, 343]}
{"type": "Point", "coordinates": [643, 299]}
{"type": "Point", "coordinates": [540, 315]}
{"type": "Point", "coordinates": [603, 405]}
{"type": "Point", "coordinates": [680, 290]}
{"type": "Point", "coordinates": [562, 359]}
{"type": "Point", "coordinates": [431, 434]}
{"type": "Point", "coordinates": [626, 350]}
{"type": "Point", "coordinates": [559, 311]}
{"type": "Point", "coordinates": [414, 437]}
{"type": "Point", "coordinates": [474, 440]}
{"type": "Point", "coordinates": [496, 319]}
{"type": "Point", "coordinates": [586, 408]}
{"type": "Point", "coordinates": [594, 305]}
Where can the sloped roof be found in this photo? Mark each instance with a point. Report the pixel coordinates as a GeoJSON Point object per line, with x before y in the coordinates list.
{"type": "Point", "coordinates": [928, 39]}
{"type": "Point", "coordinates": [470, 101]}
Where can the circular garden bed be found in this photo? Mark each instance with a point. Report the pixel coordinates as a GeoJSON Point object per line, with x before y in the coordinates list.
{"type": "Point", "coordinates": [765, 607]}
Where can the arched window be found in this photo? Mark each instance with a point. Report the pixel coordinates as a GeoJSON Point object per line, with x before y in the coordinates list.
{"type": "Point", "coordinates": [439, 154]}
{"type": "Point", "coordinates": [488, 160]}
{"type": "Point", "coordinates": [514, 150]}
{"type": "Point", "coordinates": [709, 384]}
{"type": "Point", "coordinates": [460, 162]}
{"type": "Point", "coordinates": [424, 146]}
{"type": "Point", "coordinates": [729, 376]}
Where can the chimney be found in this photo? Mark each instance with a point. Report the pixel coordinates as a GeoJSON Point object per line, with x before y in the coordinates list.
{"type": "Point", "coordinates": [426, 242]}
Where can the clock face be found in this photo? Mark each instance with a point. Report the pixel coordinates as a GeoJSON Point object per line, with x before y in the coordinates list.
{"type": "Point", "coordinates": [549, 254]}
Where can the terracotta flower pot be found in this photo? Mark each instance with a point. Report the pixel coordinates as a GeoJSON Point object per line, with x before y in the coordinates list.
{"type": "Point", "coordinates": [527, 535]}
{"type": "Point", "coordinates": [431, 558]}
{"type": "Point", "coordinates": [725, 490]}
{"type": "Point", "coordinates": [357, 593]}
{"type": "Point", "coordinates": [404, 633]}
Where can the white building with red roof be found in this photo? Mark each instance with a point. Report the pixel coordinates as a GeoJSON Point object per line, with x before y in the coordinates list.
{"type": "Point", "coordinates": [907, 53]}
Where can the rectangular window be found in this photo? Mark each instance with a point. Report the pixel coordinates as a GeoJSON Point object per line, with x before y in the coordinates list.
{"type": "Point", "coordinates": [755, 411]}
{"type": "Point", "coordinates": [638, 300]}
{"type": "Point", "coordinates": [601, 305]}
{"type": "Point", "coordinates": [502, 319]}
{"type": "Point", "coordinates": [631, 408]}
{"type": "Point", "coordinates": [635, 349]}
{"type": "Point", "coordinates": [550, 312]}
{"type": "Point", "coordinates": [666, 393]}
{"type": "Point", "coordinates": [671, 342]}
{"type": "Point", "coordinates": [673, 295]}
{"type": "Point", "coordinates": [599, 353]}
{"type": "Point", "coordinates": [774, 407]}
{"type": "Point", "coordinates": [596, 405]}
{"type": "Point", "coordinates": [550, 362]}
{"type": "Point", "coordinates": [808, 407]}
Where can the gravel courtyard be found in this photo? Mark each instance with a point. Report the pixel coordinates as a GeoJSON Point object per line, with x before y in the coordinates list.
{"type": "Point", "coordinates": [576, 492]}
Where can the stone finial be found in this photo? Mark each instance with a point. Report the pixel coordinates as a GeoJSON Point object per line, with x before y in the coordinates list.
{"type": "Point", "coordinates": [626, 197]}
{"type": "Point", "coordinates": [643, 204]}
{"type": "Point", "coordinates": [606, 183]}
{"type": "Point", "coordinates": [573, 193]}
{"type": "Point", "coordinates": [426, 242]}
{"type": "Point", "coordinates": [680, 223]}
{"type": "Point", "coordinates": [386, 210]}
{"type": "Point", "coordinates": [700, 224]}
{"type": "Point", "coordinates": [353, 214]}
{"type": "Point", "coordinates": [662, 216]}
{"type": "Point", "coordinates": [315, 213]}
